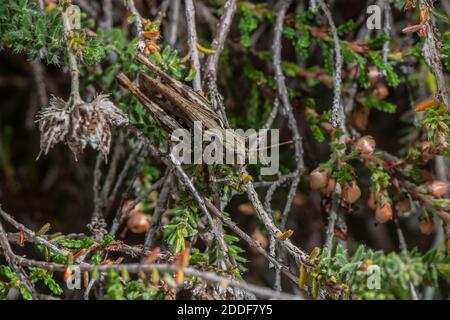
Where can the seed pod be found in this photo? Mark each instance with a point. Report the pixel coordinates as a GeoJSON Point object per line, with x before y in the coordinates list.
{"type": "Point", "coordinates": [426, 104]}
{"type": "Point", "coordinates": [138, 222]}
{"type": "Point", "coordinates": [365, 145]}
{"type": "Point", "coordinates": [424, 13]}
{"type": "Point", "coordinates": [351, 193]}
{"type": "Point", "coordinates": [179, 277]}
{"type": "Point", "coordinates": [383, 213]}
{"type": "Point", "coordinates": [106, 262]}
{"type": "Point", "coordinates": [318, 179]}
{"type": "Point", "coordinates": [150, 35]}
{"type": "Point", "coordinates": [412, 28]}
{"type": "Point", "coordinates": [152, 256]}
{"type": "Point", "coordinates": [21, 238]}
{"type": "Point", "coordinates": [154, 276]}
{"type": "Point", "coordinates": [43, 230]}
{"type": "Point", "coordinates": [85, 279]}
{"type": "Point", "coordinates": [302, 277]}
{"type": "Point", "coordinates": [284, 235]}
{"type": "Point", "coordinates": [79, 253]}
{"type": "Point", "coordinates": [182, 260]}
{"type": "Point", "coordinates": [315, 288]}
{"type": "Point", "coordinates": [426, 226]}
{"type": "Point", "coordinates": [438, 188]}
{"type": "Point", "coordinates": [313, 255]}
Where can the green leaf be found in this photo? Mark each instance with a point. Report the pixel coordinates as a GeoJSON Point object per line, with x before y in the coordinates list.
{"type": "Point", "coordinates": [444, 270]}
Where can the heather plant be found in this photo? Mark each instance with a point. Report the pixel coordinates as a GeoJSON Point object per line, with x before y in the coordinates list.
{"type": "Point", "coordinates": [358, 209]}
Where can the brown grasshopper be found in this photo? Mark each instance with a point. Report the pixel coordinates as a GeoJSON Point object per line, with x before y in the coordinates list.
{"type": "Point", "coordinates": [175, 105]}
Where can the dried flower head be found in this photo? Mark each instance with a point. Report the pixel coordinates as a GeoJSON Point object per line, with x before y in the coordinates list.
{"type": "Point", "coordinates": [79, 125]}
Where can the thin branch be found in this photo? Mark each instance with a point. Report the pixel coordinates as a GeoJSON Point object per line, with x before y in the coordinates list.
{"type": "Point", "coordinates": [223, 29]}
{"type": "Point", "coordinates": [10, 259]}
{"type": "Point", "coordinates": [98, 203]}
{"type": "Point", "coordinates": [173, 22]}
{"type": "Point", "coordinates": [210, 277]}
{"type": "Point", "coordinates": [75, 98]}
{"type": "Point", "coordinates": [338, 117]}
{"type": "Point", "coordinates": [332, 218]}
{"type": "Point", "coordinates": [123, 174]}
{"type": "Point", "coordinates": [41, 88]}
{"type": "Point", "coordinates": [107, 14]}
{"type": "Point", "coordinates": [31, 234]}
{"type": "Point", "coordinates": [431, 56]}
{"type": "Point", "coordinates": [283, 96]}
{"type": "Point", "coordinates": [192, 35]}
{"type": "Point", "coordinates": [138, 23]}
{"type": "Point", "coordinates": [229, 9]}
{"type": "Point", "coordinates": [87, 6]}
{"type": "Point", "coordinates": [159, 210]}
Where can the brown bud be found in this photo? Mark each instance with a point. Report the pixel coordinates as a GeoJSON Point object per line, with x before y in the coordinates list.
{"type": "Point", "coordinates": [318, 179]}
{"type": "Point", "coordinates": [365, 145]}
{"type": "Point", "coordinates": [384, 213]}
{"type": "Point", "coordinates": [246, 209]}
{"type": "Point", "coordinates": [329, 189]}
{"type": "Point", "coordinates": [426, 226]}
{"type": "Point", "coordinates": [260, 238]}
{"type": "Point", "coordinates": [438, 188]}
{"type": "Point", "coordinates": [380, 91]}
{"type": "Point", "coordinates": [374, 75]}
{"type": "Point", "coordinates": [137, 222]}
{"type": "Point", "coordinates": [403, 206]}
{"type": "Point", "coordinates": [360, 118]}
{"type": "Point", "coordinates": [371, 202]}
{"type": "Point", "coordinates": [351, 193]}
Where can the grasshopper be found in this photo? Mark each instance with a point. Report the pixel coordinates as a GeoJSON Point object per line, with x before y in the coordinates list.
{"type": "Point", "coordinates": [175, 105]}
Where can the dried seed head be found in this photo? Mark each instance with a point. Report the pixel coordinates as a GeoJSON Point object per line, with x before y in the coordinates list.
{"type": "Point", "coordinates": [54, 123]}
{"type": "Point", "coordinates": [351, 193]}
{"type": "Point", "coordinates": [383, 213]}
{"type": "Point", "coordinates": [365, 145]}
{"type": "Point", "coordinates": [318, 179]}
{"type": "Point", "coordinates": [438, 188]}
{"type": "Point", "coordinates": [79, 125]}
